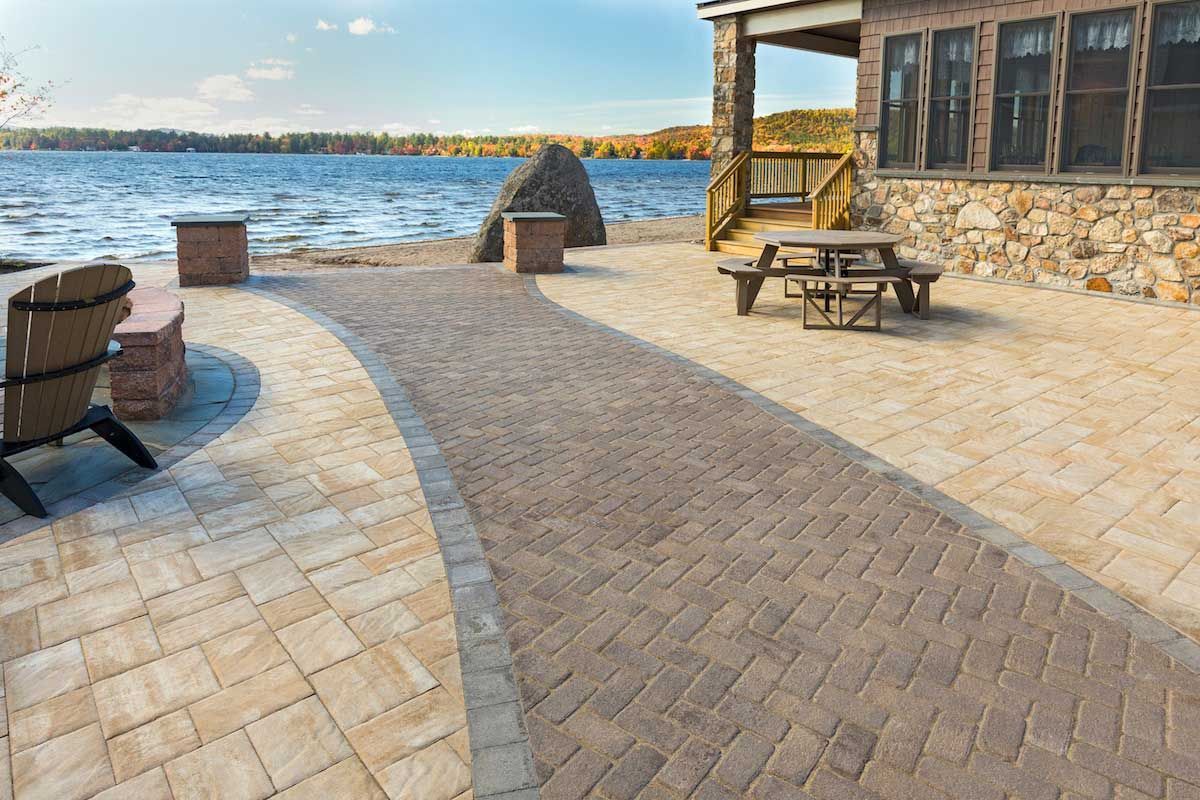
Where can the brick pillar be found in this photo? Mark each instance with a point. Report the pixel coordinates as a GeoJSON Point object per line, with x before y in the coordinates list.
{"type": "Point", "coordinates": [533, 241]}
{"type": "Point", "coordinates": [212, 250]}
{"type": "Point", "coordinates": [733, 92]}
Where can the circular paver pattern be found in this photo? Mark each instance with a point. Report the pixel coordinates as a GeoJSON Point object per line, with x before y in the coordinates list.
{"type": "Point", "coordinates": [89, 466]}
{"type": "Point", "coordinates": [703, 600]}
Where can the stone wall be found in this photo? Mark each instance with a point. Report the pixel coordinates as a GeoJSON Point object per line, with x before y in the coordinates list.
{"type": "Point", "coordinates": [733, 92]}
{"type": "Point", "coordinates": [1131, 240]}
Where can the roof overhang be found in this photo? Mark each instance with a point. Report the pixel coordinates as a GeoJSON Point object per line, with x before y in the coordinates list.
{"type": "Point", "coordinates": [823, 26]}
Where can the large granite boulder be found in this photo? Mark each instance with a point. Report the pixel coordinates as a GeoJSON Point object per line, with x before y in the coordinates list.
{"type": "Point", "coordinates": [552, 180]}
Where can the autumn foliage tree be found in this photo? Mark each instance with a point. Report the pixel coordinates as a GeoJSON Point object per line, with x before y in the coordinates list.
{"type": "Point", "coordinates": [827, 130]}
{"type": "Point", "coordinates": [18, 98]}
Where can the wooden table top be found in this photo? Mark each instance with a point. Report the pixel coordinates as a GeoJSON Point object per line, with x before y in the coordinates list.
{"type": "Point", "coordinates": [829, 240]}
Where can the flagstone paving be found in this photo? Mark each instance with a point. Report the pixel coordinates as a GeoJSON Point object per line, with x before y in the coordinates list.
{"type": "Point", "coordinates": [1071, 419]}
{"type": "Point", "coordinates": [269, 617]}
{"type": "Point", "coordinates": [703, 600]}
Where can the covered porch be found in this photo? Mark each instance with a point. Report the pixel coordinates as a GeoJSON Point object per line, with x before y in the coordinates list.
{"type": "Point", "coordinates": [754, 190]}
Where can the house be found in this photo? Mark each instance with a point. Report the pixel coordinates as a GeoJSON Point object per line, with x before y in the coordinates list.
{"type": "Point", "coordinates": [1052, 141]}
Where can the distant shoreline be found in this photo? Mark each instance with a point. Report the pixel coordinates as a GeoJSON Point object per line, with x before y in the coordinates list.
{"type": "Point", "coordinates": [437, 252]}
{"type": "Point", "coordinates": [333, 155]}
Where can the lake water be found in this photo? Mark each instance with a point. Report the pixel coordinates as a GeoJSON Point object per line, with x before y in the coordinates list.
{"type": "Point", "coordinates": [68, 205]}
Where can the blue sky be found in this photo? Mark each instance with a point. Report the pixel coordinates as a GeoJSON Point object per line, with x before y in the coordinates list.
{"type": "Point", "coordinates": [481, 66]}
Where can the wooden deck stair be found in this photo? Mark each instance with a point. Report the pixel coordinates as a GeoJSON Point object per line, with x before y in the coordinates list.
{"type": "Point", "coordinates": [738, 238]}
{"type": "Point", "coordinates": [762, 191]}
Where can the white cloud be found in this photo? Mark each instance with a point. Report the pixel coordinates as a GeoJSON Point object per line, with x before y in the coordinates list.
{"type": "Point", "coordinates": [271, 69]}
{"type": "Point", "coordinates": [400, 128]}
{"type": "Point", "coordinates": [291, 38]}
{"type": "Point", "coordinates": [434, 121]}
{"type": "Point", "coordinates": [322, 25]}
{"type": "Point", "coordinates": [224, 87]}
{"type": "Point", "coordinates": [308, 110]}
{"type": "Point", "coordinates": [524, 129]}
{"type": "Point", "coordinates": [133, 111]}
{"type": "Point", "coordinates": [272, 125]}
{"type": "Point", "coordinates": [365, 25]}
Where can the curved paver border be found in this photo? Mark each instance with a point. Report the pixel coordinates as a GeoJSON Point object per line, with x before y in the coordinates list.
{"type": "Point", "coordinates": [246, 386]}
{"type": "Point", "coordinates": [501, 756]}
{"type": "Point", "coordinates": [1140, 623]}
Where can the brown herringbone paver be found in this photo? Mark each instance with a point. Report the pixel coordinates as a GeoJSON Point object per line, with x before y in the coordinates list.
{"type": "Point", "coordinates": [703, 601]}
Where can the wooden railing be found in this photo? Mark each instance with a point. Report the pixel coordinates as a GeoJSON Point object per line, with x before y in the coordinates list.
{"type": "Point", "coordinates": [788, 174]}
{"type": "Point", "coordinates": [831, 198]}
{"type": "Point", "coordinates": [726, 198]}
{"type": "Point", "coordinates": [767, 174]}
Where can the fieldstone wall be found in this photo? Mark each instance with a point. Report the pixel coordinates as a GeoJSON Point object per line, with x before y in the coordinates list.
{"type": "Point", "coordinates": [1131, 240]}
{"type": "Point", "coordinates": [733, 92]}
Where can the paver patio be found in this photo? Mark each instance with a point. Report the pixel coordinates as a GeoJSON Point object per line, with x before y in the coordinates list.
{"type": "Point", "coordinates": [1072, 420]}
{"type": "Point", "coordinates": [703, 600]}
{"type": "Point", "coordinates": [270, 615]}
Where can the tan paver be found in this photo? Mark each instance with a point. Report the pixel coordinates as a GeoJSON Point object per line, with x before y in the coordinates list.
{"type": "Point", "coordinates": [147, 786]}
{"type": "Point", "coordinates": [152, 744]}
{"type": "Point", "coordinates": [347, 777]}
{"type": "Point", "coordinates": [71, 767]}
{"type": "Point", "coordinates": [749, 611]}
{"type": "Point", "coordinates": [44, 674]}
{"type": "Point", "coordinates": [1073, 420]}
{"type": "Point", "coordinates": [227, 769]}
{"type": "Point", "coordinates": [298, 742]}
{"type": "Point", "coordinates": [156, 646]}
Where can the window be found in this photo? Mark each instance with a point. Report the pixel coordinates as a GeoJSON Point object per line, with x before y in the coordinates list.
{"type": "Point", "coordinates": [1173, 90]}
{"type": "Point", "coordinates": [1022, 100]}
{"type": "Point", "coordinates": [1096, 100]}
{"type": "Point", "coordinates": [900, 94]}
{"type": "Point", "coordinates": [951, 78]}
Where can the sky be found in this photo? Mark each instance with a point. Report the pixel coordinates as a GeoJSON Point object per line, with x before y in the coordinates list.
{"type": "Point", "coordinates": [500, 67]}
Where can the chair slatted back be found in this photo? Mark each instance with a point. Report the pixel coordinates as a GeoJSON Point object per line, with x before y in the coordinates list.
{"type": "Point", "coordinates": [46, 341]}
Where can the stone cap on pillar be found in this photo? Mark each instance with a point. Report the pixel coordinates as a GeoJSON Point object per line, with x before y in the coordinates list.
{"type": "Point", "coordinates": [210, 219]}
{"type": "Point", "coordinates": [531, 215]}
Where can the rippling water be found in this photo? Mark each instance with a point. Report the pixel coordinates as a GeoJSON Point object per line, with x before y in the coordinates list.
{"type": "Point", "coordinates": [86, 205]}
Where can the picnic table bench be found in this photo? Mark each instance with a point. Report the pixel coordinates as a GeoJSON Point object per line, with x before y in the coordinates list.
{"type": "Point", "coordinates": [903, 275]}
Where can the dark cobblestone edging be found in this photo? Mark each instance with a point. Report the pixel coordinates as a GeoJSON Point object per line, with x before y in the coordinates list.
{"type": "Point", "coordinates": [246, 386]}
{"type": "Point", "coordinates": [1140, 623]}
{"type": "Point", "coordinates": [501, 758]}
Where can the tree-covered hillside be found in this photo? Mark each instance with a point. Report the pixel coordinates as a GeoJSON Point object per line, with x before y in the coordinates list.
{"type": "Point", "coordinates": [803, 129]}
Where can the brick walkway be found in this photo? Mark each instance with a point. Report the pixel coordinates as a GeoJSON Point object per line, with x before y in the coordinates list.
{"type": "Point", "coordinates": [703, 601]}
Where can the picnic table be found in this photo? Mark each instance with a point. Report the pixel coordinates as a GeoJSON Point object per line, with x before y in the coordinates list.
{"type": "Point", "coordinates": [831, 246]}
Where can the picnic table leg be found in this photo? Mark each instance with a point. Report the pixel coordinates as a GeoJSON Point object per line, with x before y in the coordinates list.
{"type": "Point", "coordinates": [747, 293]}
{"type": "Point", "coordinates": [904, 294]}
{"type": "Point", "coordinates": [888, 256]}
{"type": "Point", "coordinates": [923, 299]}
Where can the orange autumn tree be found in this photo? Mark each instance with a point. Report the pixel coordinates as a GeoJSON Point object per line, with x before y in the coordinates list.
{"type": "Point", "coordinates": [18, 98]}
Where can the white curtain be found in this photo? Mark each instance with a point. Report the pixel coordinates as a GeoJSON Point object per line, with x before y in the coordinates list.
{"type": "Point", "coordinates": [909, 53]}
{"type": "Point", "coordinates": [1103, 31]}
{"type": "Point", "coordinates": [1177, 24]}
{"type": "Point", "coordinates": [1028, 39]}
{"type": "Point", "coordinates": [956, 48]}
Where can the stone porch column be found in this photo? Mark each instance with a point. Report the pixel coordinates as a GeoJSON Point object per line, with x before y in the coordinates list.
{"type": "Point", "coordinates": [733, 92]}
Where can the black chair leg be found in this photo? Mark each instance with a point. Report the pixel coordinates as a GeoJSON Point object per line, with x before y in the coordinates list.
{"type": "Point", "coordinates": [120, 437]}
{"type": "Point", "coordinates": [17, 489]}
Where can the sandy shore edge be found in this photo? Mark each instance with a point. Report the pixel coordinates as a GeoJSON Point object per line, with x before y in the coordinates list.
{"type": "Point", "coordinates": [433, 252]}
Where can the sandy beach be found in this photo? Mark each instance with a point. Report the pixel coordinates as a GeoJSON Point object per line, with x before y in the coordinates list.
{"type": "Point", "coordinates": [454, 251]}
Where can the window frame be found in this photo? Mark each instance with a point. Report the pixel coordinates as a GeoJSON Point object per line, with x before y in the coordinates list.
{"type": "Point", "coordinates": [972, 99]}
{"type": "Point", "coordinates": [1055, 69]}
{"type": "Point", "coordinates": [918, 154]}
{"type": "Point", "coordinates": [1061, 167]}
{"type": "Point", "coordinates": [1143, 100]}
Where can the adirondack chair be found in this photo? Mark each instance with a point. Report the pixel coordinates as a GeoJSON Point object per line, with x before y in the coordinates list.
{"type": "Point", "coordinates": [58, 336]}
